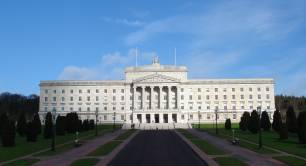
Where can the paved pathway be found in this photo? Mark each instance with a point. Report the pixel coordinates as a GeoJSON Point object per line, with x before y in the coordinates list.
{"type": "Point", "coordinates": [68, 157]}
{"type": "Point", "coordinates": [250, 157]}
{"type": "Point", "coordinates": [160, 148]}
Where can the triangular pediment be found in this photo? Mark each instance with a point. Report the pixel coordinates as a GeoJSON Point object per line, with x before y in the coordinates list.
{"type": "Point", "coordinates": [156, 78]}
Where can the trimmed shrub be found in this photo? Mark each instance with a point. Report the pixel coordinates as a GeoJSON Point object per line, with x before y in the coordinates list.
{"type": "Point", "coordinates": [60, 125]}
{"type": "Point", "coordinates": [302, 127]}
{"type": "Point", "coordinates": [72, 121]}
{"type": "Point", "coordinates": [8, 133]}
{"type": "Point", "coordinates": [37, 123]}
{"type": "Point", "coordinates": [21, 125]}
{"type": "Point", "coordinates": [31, 131]}
{"type": "Point", "coordinates": [3, 118]}
{"type": "Point", "coordinates": [283, 132]}
{"type": "Point", "coordinates": [228, 124]}
{"type": "Point", "coordinates": [91, 124]}
{"type": "Point", "coordinates": [85, 125]}
{"type": "Point", "coordinates": [244, 121]}
{"type": "Point", "coordinates": [277, 121]}
{"type": "Point", "coordinates": [291, 120]}
{"type": "Point", "coordinates": [48, 128]}
{"type": "Point", "coordinates": [265, 121]}
{"type": "Point", "coordinates": [254, 122]}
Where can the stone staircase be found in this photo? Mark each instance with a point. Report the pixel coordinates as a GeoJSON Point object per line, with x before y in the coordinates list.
{"type": "Point", "coordinates": [159, 126]}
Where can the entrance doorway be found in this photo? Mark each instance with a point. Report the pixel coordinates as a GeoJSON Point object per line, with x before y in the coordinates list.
{"type": "Point", "coordinates": [174, 118]}
{"type": "Point", "coordinates": [139, 118]}
{"type": "Point", "coordinates": [165, 118]}
{"type": "Point", "coordinates": [156, 118]}
{"type": "Point", "coordinates": [148, 118]}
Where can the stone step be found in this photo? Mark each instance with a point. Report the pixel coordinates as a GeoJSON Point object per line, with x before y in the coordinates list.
{"type": "Point", "coordinates": [159, 126]}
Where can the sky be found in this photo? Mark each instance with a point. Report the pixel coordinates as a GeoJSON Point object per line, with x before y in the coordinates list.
{"type": "Point", "coordinates": [96, 40]}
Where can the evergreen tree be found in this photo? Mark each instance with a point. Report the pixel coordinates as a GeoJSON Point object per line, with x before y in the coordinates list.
{"type": "Point", "coordinates": [291, 120]}
{"type": "Point", "coordinates": [8, 133]}
{"type": "Point", "coordinates": [3, 118]}
{"type": "Point", "coordinates": [37, 123]}
{"type": "Point", "coordinates": [72, 121]}
{"type": "Point", "coordinates": [283, 132]}
{"type": "Point", "coordinates": [85, 125]}
{"type": "Point", "coordinates": [21, 125]}
{"type": "Point", "coordinates": [302, 127]}
{"type": "Point", "coordinates": [244, 121]}
{"type": "Point", "coordinates": [265, 121]}
{"type": "Point", "coordinates": [48, 128]}
{"type": "Point", "coordinates": [91, 124]}
{"type": "Point", "coordinates": [228, 124]}
{"type": "Point", "coordinates": [31, 131]}
{"type": "Point", "coordinates": [277, 121]}
{"type": "Point", "coordinates": [60, 125]}
{"type": "Point", "coordinates": [254, 122]}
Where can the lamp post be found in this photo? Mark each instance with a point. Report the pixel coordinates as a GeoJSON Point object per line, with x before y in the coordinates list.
{"type": "Point", "coordinates": [96, 113]}
{"type": "Point", "coordinates": [53, 129]}
{"type": "Point", "coordinates": [216, 115]}
{"type": "Point", "coordinates": [259, 124]}
{"type": "Point", "coordinates": [114, 120]}
{"type": "Point", "coordinates": [199, 119]}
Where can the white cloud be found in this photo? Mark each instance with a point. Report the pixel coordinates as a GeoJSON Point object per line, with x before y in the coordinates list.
{"type": "Point", "coordinates": [111, 66]}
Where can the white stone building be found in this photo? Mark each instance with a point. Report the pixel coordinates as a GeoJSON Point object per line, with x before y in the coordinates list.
{"type": "Point", "coordinates": [155, 95]}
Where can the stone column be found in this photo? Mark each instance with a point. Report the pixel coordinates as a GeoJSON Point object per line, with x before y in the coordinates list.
{"type": "Point", "coordinates": [143, 97]}
{"type": "Point", "coordinates": [178, 97]}
{"type": "Point", "coordinates": [134, 97]}
{"type": "Point", "coordinates": [168, 101]}
{"type": "Point", "coordinates": [160, 97]}
{"type": "Point", "coordinates": [151, 97]}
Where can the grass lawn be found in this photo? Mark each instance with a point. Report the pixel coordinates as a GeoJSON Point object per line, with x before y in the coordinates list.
{"type": "Point", "coordinates": [85, 162]}
{"type": "Point", "coordinates": [23, 147]}
{"type": "Point", "coordinates": [203, 145]}
{"type": "Point", "coordinates": [105, 148]}
{"type": "Point", "coordinates": [292, 161]}
{"type": "Point", "coordinates": [22, 162]}
{"type": "Point", "coordinates": [269, 138]}
{"type": "Point", "coordinates": [225, 161]}
{"type": "Point", "coordinates": [125, 135]}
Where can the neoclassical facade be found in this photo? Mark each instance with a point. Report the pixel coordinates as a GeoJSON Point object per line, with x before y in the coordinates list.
{"type": "Point", "coordinates": [157, 94]}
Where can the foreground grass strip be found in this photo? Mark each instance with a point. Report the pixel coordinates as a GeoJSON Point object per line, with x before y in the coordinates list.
{"type": "Point", "coordinates": [290, 160]}
{"type": "Point", "coordinates": [203, 145]}
{"type": "Point", "coordinates": [225, 161]}
{"type": "Point", "coordinates": [23, 147]}
{"type": "Point", "coordinates": [106, 148]}
{"type": "Point", "coordinates": [85, 162]}
{"type": "Point", "coordinates": [22, 162]}
{"type": "Point", "coordinates": [125, 135]}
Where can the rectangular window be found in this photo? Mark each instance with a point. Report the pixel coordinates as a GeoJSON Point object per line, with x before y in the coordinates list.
{"type": "Point", "coordinates": [88, 108]}
{"type": "Point", "coordinates": [182, 89]}
{"type": "Point", "coordinates": [105, 117]}
{"type": "Point", "coordinates": [250, 89]}
{"type": "Point", "coordinates": [80, 109]}
{"type": "Point", "coordinates": [191, 116]}
{"type": "Point", "coordinates": [122, 108]}
{"type": "Point", "coordinates": [207, 97]}
{"type": "Point", "coordinates": [114, 108]}
{"type": "Point", "coordinates": [208, 116]}
{"type": "Point", "coordinates": [54, 98]}
{"type": "Point", "coordinates": [46, 91]}
{"type": "Point", "coordinates": [268, 96]}
{"type": "Point", "coordinates": [114, 98]}
{"type": "Point", "coordinates": [97, 108]}
{"type": "Point", "coordinates": [267, 89]}
{"type": "Point", "coordinates": [208, 107]}
{"type": "Point", "coordinates": [234, 107]}
{"type": "Point", "coordinates": [80, 90]}
{"type": "Point", "coordinates": [199, 89]}
{"type": "Point", "coordinates": [122, 90]}
{"type": "Point", "coordinates": [63, 98]}
{"type": "Point", "coordinates": [234, 116]}
{"type": "Point", "coordinates": [233, 97]}
{"type": "Point", "coordinates": [97, 90]}
{"type": "Point", "coordinates": [88, 98]}
{"type": "Point", "coordinates": [216, 89]}
{"type": "Point", "coordinates": [80, 98]}
{"type": "Point", "coordinates": [258, 89]}
{"type": "Point", "coordinates": [216, 97]}
{"type": "Point", "coordinates": [199, 97]}
{"type": "Point", "coordinates": [46, 109]}
{"type": "Point", "coordinates": [242, 97]}
{"type": "Point", "coordinates": [251, 97]}
{"type": "Point", "coordinates": [122, 117]}
{"type": "Point", "coordinates": [242, 107]}
{"type": "Point", "coordinates": [233, 89]}
{"type": "Point", "coordinates": [54, 91]}
{"type": "Point", "coordinates": [182, 107]}
{"type": "Point", "coordinates": [63, 91]}
{"type": "Point", "coordinates": [105, 90]}
{"type": "Point", "coordinates": [259, 97]}
{"type": "Point", "coordinates": [63, 108]}
{"type": "Point", "coordinates": [97, 98]}
{"type": "Point", "coordinates": [46, 99]}
{"type": "Point", "coordinates": [224, 97]}
{"type": "Point", "coordinates": [241, 89]}
{"type": "Point", "coordinates": [182, 97]}
{"type": "Point", "coordinates": [199, 107]}
{"type": "Point", "coordinates": [225, 107]}
{"type": "Point", "coordinates": [268, 107]}
{"type": "Point", "coordinates": [71, 91]}
{"type": "Point", "coordinates": [190, 97]}
{"type": "Point", "coordinates": [105, 108]}
{"type": "Point", "coordinates": [114, 90]}
{"type": "Point", "coordinates": [122, 98]}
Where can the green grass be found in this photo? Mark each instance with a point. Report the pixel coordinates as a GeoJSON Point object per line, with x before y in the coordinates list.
{"type": "Point", "coordinates": [22, 162]}
{"type": "Point", "coordinates": [125, 135]}
{"type": "Point", "coordinates": [225, 161]}
{"type": "Point", "coordinates": [85, 162]}
{"type": "Point", "coordinates": [292, 161]}
{"type": "Point", "coordinates": [105, 149]}
{"type": "Point", "coordinates": [23, 147]}
{"type": "Point", "coordinates": [269, 138]}
{"type": "Point", "coordinates": [203, 145]}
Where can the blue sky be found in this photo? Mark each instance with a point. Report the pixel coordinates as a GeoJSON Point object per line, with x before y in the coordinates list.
{"type": "Point", "coordinates": [50, 40]}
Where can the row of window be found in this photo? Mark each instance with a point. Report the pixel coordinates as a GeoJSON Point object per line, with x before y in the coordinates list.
{"type": "Point", "coordinates": [225, 97]}
{"type": "Point", "coordinates": [80, 98]}
{"type": "Point", "coordinates": [81, 91]}
{"type": "Point", "coordinates": [233, 89]}
{"type": "Point", "coordinates": [224, 108]}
